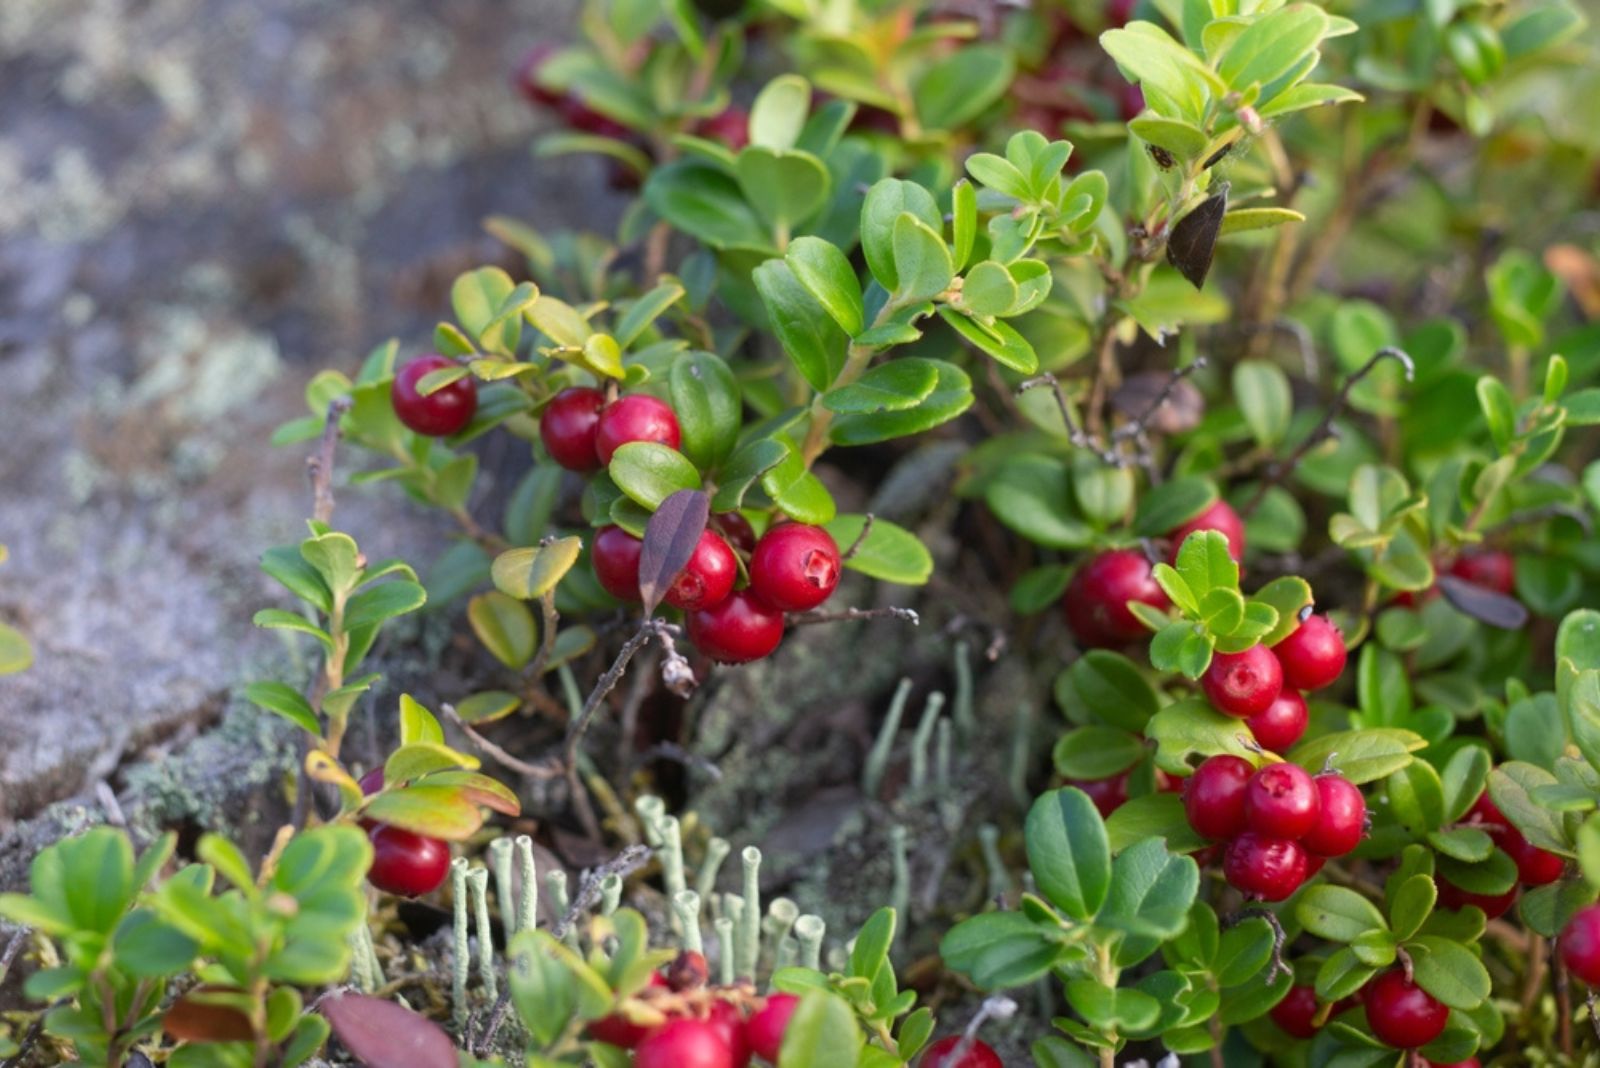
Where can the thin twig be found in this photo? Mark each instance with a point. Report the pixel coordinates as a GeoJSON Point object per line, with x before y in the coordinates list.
{"type": "Point", "coordinates": [678, 754]}
{"type": "Point", "coordinates": [1277, 965]}
{"type": "Point", "coordinates": [607, 683]}
{"type": "Point", "coordinates": [625, 863]}
{"type": "Point", "coordinates": [497, 754]}
{"type": "Point", "coordinates": [321, 464]}
{"type": "Point", "coordinates": [1137, 427]}
{"type": "Point", "coordinates": [861, 538]}
{"type": "Point", "coordinates": [13, 948]}
{"type": "Point", "coordinates": [806, 619]}
{"type": "Point", "coordinates": [1324, 430]}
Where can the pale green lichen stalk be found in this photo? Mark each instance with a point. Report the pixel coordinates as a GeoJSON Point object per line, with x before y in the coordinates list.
{"type": "Point", "coordinates": [460, 965]}
{"type": "Point", "coordinates": [478, 882]}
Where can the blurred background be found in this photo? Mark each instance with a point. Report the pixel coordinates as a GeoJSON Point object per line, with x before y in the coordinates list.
{"type": "Point", "coordinates": [201, 202]}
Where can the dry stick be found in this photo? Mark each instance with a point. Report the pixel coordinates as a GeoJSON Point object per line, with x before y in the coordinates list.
{"type": "Point", "coordinates": [495, 753]}
{"type": "Point", "coordinates": [1276, 472]}
{"type": "Point", "coordinates": [1076, 435]}
{"type": "Point", "coordinates": [861, 538]}
{"type": "Point", "coordinates": [1279, 939]}
{"type": "Point", "coordinates": [806, 619]}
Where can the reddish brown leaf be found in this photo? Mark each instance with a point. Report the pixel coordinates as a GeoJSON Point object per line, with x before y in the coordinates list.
{"type": "Point", "coordinates": [193, 1019]}
{"type": "Point", "coordinates": [381, 1034]}
{"type": "Point", "coordinates": [1193, 241]}
{"type": "Point", "coordinates": [669, 542]}
{"type": "Point", "coordinates": [1484, 605]}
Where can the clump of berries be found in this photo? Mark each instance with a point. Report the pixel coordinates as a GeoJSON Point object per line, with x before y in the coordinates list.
{"type": "Point", "coordinates": [1535, 866]}
{"type": "Point", "coordinates": [404, 863]}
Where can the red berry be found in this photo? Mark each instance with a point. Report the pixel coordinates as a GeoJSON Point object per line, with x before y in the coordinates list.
{"type": "Point", "coordinates": [1108, 794]}
{"type": "Point", "coordinates": [764, 1030]}
{"type": "Point", "coordinates": [1268, 868]}
{"type": "Point", "coordinates": [1535, 866]}
{"type": "Point", "coordinates": [1221, 518]}
{"type": "Point", "coordinates": [740, 629]}
{"type": "Point", "coordinates": [1213, 797]}
{"type": "Point", "coordinates": [737, 529]}
{"type": "Point", "coordinates": [731, 126]}
{"type": "Point", "coordinates": [1282, 724]}
{"type": "Point", "coordinates": [1243, 684]}
{"type": "Point", "coordinates": [729, 1022]}
{"type": "Point", "coordinates": [1169, 784]}
{"type": "Point", "coordinates": [1281, 802]}
{"type": "Point", "coordinates": [1580, 944]}
{"type": "Point", "coordinates": [406, 864]}
{"type": "Point", "coordinates": [1313, 654]}
{"type": "Point", "coordinates": [1470, 1062]}
{"type": "Point", "coordinates": [707, 578]}
{"type": "Point", "coordinates": [685, 1043]}
{"type": "Point", "coordinates": [442, 412]}
{"type": "Point", "coordinates": [1296, 1014]}
{"type": "Point", "coordinates": [636, 417]}
{"type": "Point", "coordinates": [1096, 602]}
{"type": "Point", "coordinates": [615, 556]}
{"type": "Point", "coordinates": [1455, 898]}
{"type": "Point", "coordinates": [978, 1054]}
{"type": "Point", "coordinates": [581, 116]}
{"type": "Point", "coordinates": [567, 428]}
{"type": "Point", "coordinates": [526, 76]}
{"type": "Point", "coordinates": [617, 1030]}
{"type": "Point", "coordinates": [1493, 569]}
{"type": "Point", "coordinates": [371, 782]}
{"type": "Point", "coordinates": [795, 567]}
{"type": "Point", "coordinates": [1342, 820]}
{"type": "Point", "coordinates": [1485, 811]}
{"type": "Point", "coordinates": [1401, 1013]}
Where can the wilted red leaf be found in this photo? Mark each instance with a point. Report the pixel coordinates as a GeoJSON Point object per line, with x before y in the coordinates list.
{"type": "Point", "coordinates": [669, 541]}
{"type": "Point", "coordinates": [381, 1034]}
{"type": "Point", "coordinates": [193, 1019]}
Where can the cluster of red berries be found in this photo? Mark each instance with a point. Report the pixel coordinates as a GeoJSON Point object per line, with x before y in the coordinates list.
{"type": "Point", "coordinates": [1535, 866]}
{"type": "Point", "coordinates": [710, 1028]}
{"type": "Point", "coordinates": [404, 863]}
{"type": "Point", "coordinates": [793, 567]}
{"type": "Point", "coordinates": [1280, 823]}
{"type": "Point", "coordinates": [1399, 1012]}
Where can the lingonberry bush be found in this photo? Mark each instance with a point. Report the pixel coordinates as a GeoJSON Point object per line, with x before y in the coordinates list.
{"type": "Point", "coordinates": [1248, 350]}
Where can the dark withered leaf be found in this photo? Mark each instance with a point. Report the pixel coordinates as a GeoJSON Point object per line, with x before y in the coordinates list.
{"type": "Point", "coordinates": [381, 1034]}
{"type": "Point", "coordinates": [1193, 241]}
{"type": "Point", "coordinates": [669, 542]}
{"type": "Point", "coordinates": [1484, 605]}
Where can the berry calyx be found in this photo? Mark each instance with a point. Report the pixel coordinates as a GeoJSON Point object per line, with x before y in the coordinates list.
{"type": "Point", "coordinates": [1267, 868]}
{"type": "Point", "coordinates": [1296, 1014]}
{"type": "Point", "coordinates": [942, 1054]}
{"type": "Point", "coordinates": [765, 1027]}
{"type": "Point", "coordinates": [688, 971]}
{"type": "Point", "coordinates": [1455, 898]}
{"type": "Point", "coordinates": [1219, 517]}
{"type": "Point", "coordinates": [1213, 797]}
{"type": "Point", "coordinates": [1096, 602]}
{"type": "Point", "coordinates": [617, 1030]}
{"type": "Point", "coordinates": [1243, 684]}
{"type": "Point", "coordinates": [1313, 654]}
{"type": "Point", "coordinates": [1401, 1013]}
{"type": "Point", "coordinates": [1341, 820]}
{"type": "Point", "coordinates": [795, 567]}
{"type": "Point", "coordinates": [1580, 944]}
{"type": "Point", "coordinates": [637, 417]}
{"type": "Point", "coordinates": [406, 864]}
{"type": "Point", "coordinates": [1281, 802]}
{"type": "Point", "coordinates": [740, 629]}
{"type": "Point", "coordinates": [684, 1043]}
{"type": "Point", "coordinates": [615, 557]}
{"type": "Point", "coordinates": [1493, 569]}
{"type": "Point", "coordinates": [1535, 866]}
{"type": "Point", "coordinates": [567, 428]}
{"type": "Point", "coordinates": [441, 413]}
{"type": "Point", "coordinates": [707, 578]}
{"type": "Point", "coordinates": [1282, 724]}
{"type": "Point", "coordinates": [1108, 794]}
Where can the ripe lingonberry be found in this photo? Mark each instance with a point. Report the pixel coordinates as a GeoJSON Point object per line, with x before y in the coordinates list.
{"type": "Point", "coordinates": [637, 417]}
{"type": "Point", "coordinates": [371, 782]}
{"type": "Point", "coordinates": [707, 578]}
{"type": "Point", "coordinates": [1470, 1062]}
{"type": "Point", "coordinates": [617, 1030]}
{"type": "Point", "coordinates": [1535, 866]}
{"type": "Point", "coordinates": [1108, 794]}
{"type": "Point", "coordinates": [1342, 818]}
{"type": "Point", "coordinates": [1493, 569]}
{"type": "Point", "coordinates": [942, 1054]}
{"type": "Point", "coordinates": [1455, 898]}
{"type": "Point", "coordinates": [526, 77]}
{"type": "Point", "coordinates": [1296, 1014]}
{"type": "Point", "coordinates": [1213, 797]}
{"type": "Point", "coordinates": [684, 1043]}
{"type": "Point", "coordinates": [731, 126]}
{"type": "Point", "coordinates": [442, 412]}
{"type": "Point", "coordinates": [729, 1021]}
{"type": "Point", "coordinates": [1096, 602]}
{"type": "Point", "coordinates": [1243, 684]}
{"type": "Point", "coordinates": [1268, 868]}
{"type": "Point", "coordinates": [740, 629]}
{"type": "Point", "coordinates": [1401, 1013]}
{"type": "Point", "coordinates": [615, 556]}
{"type": "Point", "coordinates": [567, 428]}
{"type": "Point", "coordinates": [406, 864]}
{"type": "Point", "coordinates": [737, 529]}
{"type": "Point", "coordinates": [1219, 517]}
{"type": "Point", "coordinates": [1580, 944]}
{"type": "Point", "coordinates": [764, 1030]}
{"type": "Point", "coordinates": [795, 567]}
{"type": "Point", "coordinates": [1485, 811]}
{"type": "Point", "coordinates": [1281, 802]}
{"type": "Point", "coordinates": [1313, 654]}
{"type": "Point", "coordinates": [1282, 724]}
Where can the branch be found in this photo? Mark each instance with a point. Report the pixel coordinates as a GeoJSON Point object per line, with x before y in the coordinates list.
{"type": "Point", "coordinates": [861, 538]}
{"type": "Point", "coordinates": [624, 863]}
{"type": "Point", "coordinates": [806, 619]}
{"type": "Point", "coordinates": [320, 465]}
{"type": "Point", "coordinates": [494, 752]}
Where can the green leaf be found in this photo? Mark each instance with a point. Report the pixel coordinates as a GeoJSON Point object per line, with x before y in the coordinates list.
{"type": "Point", "coordinates": [1033, 496]}
{"type": "Point", "coordinates": [1184, 647]}
{"type": "Point", "coordinates": [1205, 565]}
{"type": "Point", "coordinates": [706, 398]}
{"type": "Point", "coordinates": [785, 187]}
{"type": "Point", "coordinates": [1106, 687]}
{"type": "Point", "coordinates": [1307, 95]}
{"type": "Point", "coordinates": [1158, 815]}
{"type": "Point", "coordinates": [798, 493]}
{"type": "Point", "coordinates": [1096, 752]}
{"type": "Point", "coordinates": [287, 702]}
{"type": "Point", "coordinates": [1171, 76]}
{"type": "Point", "coordinates": [1272, 46]}
{"type": "Point", "coordinates": [989, 289]}
{"type": "Point", "coordinates": [997, 950]}
{"type": "Point", "coordinates": [889, 552]}
{"type": "Point", "coordinates": [822, 1033]}
{"type": "Point", "coordinates": [1412, 904]}
{"type": "Point", "coordinates": [964, 221]}
{"type": "Point", "coordinates": [744, 469]}
{"type": "Point", "coordinates": [1510, 788]}
{"type": "Point", "coordinates": [649, 472]}
{"type": "Point", "coordinates": [922, 261]}
{"type": "Point", "coordinates": [999, 339]}
{"type": "Point", "coordinates": [417, 724]}
{"type": "Point", "coordinates": [560, 322]}
{"type": "Point", "coordinates": [951, 396]}
{"type": "Point", "coordinates": [646, 310]}
{"type": "Point", "coordinates": [1184, 141]}
{"type": "Point", "coordinates": [1151, 892]}
{"type": "Point", "coordinates": [885, 202]}
{"type": "Point", "coordinates": [148, 948]}
{"type": "Point", "coordinates": [813, 341]}
{"type": "Point", "coordinates": [487, 706]}
{"type": "Point", "coordinates": [1243, 220]}
{"type": "Point", "coordinates": [544, 994]}
{"type": "Point", "coordinates": [1262, 392]}
{"type": "Point", "coordinates": [1165, 508]}
{"type": "Point", "coordinates": [1336, 913]}
{"type": "Point", "coordinates": [438, 811]}
{"type": "Point", "coordinates": [530, 573]}
{"type": "Point", "coordinates": [1190, 729]}
{"type": "Point", "coordinates": [1362, 756]}
{"type": "Point", "coordinates": [1449, 971]}
{"type": "Point", "coordinates": [481, 299]}
{"type": "Point", "coordinates": [504, 625]}
{"type": "Point", "coordinates": [707, 204]}
{"type": "Point", "coordinates": [1104, 492]}
{"type": "Point", "coordinates": [1287, 596]}
{"type": "Point", "coordinates": [956, 89]}
{"type": "Point", "coordinates": [1416, 797]}
{"type": "Point", "coordinates": [278, 619]}
{"type": "Point", "coordinates": [826, 274]}
{"type": "Point", "coordinates": [376, 604]}
{"type": "Point", "coordinates": [779, 112]}
{"type": "Point", "coordinates": [1498, 411]}
{"type": "Point", "coordinates": [889, 387]}
{"type": "Point", "coordinates": [1110, 1008]}
{"type": "Point", "coordinates": [1068, 852]}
